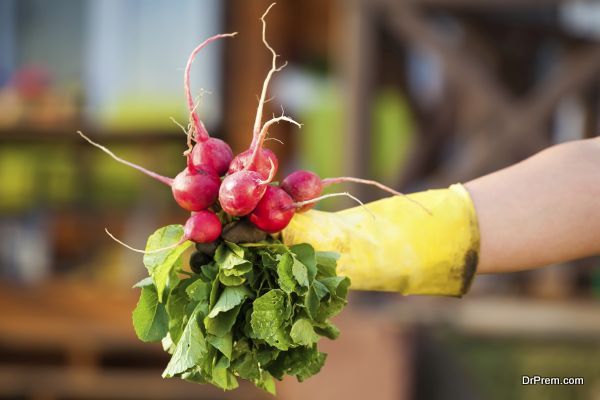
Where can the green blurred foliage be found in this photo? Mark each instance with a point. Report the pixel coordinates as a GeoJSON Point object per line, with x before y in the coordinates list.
{"type": "Point", "coordinates": [61, 175]}
{"type": "Point", "coordinates": [393, 132]}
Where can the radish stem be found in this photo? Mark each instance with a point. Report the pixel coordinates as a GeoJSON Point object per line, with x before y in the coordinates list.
{"type": "Point", "coordinates": [199, 129]}
{"type": "Point", "coordinates": [330, 181]}
{"type": "Point", "coordinates": [163, 179]}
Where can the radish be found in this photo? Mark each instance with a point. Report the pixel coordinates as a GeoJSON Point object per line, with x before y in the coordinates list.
{"type": "Point", "coordinates": [201, 227]}
{"type": "Point", "coordinates": [274, 211]}
{"type": "Point", "coordinates": [276, 208]}
{"type": "Point", "coordinates": [304, 185]}
{"type": "Point", "coordinates": [208, 152]}
{"type": "Point", "coordinates": [261, 164]}
{"type": "Point", "coordinates": [193, 189]}
{"type": "Point", "coordinates": [241, 191]}
{"type": "Point", "coordinates": [256, 158]}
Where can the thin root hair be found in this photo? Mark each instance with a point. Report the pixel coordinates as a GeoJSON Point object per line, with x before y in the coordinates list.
{"type": "Point", "coordinates": [139, 250]}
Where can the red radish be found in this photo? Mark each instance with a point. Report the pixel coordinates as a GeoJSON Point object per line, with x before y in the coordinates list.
{"type": "Point", "coordinates": [256, 158]}
{"type": "Point", "coordinates": [241, 191]}
{"type": "Point", "coordinates": [208, 152]}
{"type": "Point", "coordinates": [274, 211]}
{"type": "Point", "coordinates": [201, 227]}
{"type": "Point", "coordinates": [301, 186]}
{"type": "Point", "coordinates": [213, 153]}
{"type": "Point", "coordinates": [194, 190]}
{"type": "Point", "coordinates": [262, 164]}
{"type": "Point", "coordinates": [305, 185]}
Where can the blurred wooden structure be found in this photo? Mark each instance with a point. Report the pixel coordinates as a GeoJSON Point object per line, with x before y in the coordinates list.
{"type": "Point", "coordinates": [72, 340]}
{"type": "Point", "coordinates": [503, 107]}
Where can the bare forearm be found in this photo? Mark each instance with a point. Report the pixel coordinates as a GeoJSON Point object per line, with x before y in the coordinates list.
{"type": "Point", "coordinates": [543, 210]}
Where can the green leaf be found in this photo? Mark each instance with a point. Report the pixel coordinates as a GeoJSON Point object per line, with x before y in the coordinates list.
{"type": "Point", "coordinates": [222, 323]}
{"type": "Point", "coordinates": [147, 281]}
{"type": "Point", "coordinates": [222, 377]}
{"type": "Point", "coordinates": [195, 376]}
{"type": "Point", "coordinates": [230, 297]}
{"type": "Point", "coordinates": [150, 319]}
{"type": "Point", "coordinates": [311, 302]}
{"type": "Point", "coordinates": [222, 343]}
{"type": "Point", "coordinates": [267, 383]}
{"type": "Point", "coordinates": [246, 364]}
{"type": "Point", "coordinates": [300, 272]}
{"type": "Point", "coordinates": [333, 284]}
{"type": "Point", "coordinates": [232, 280]}
{"type": "Point", "coordinates": [231, 257]}
{"type": "Point", "coordinates": [286, 279]}
{"type": "Point", "coordinates": [189, 351]}
{"type": "Point", "coordinates": [326, 263]}
{"type": "Point", "coordinates": [320, 289]}
{"type": "Point", "coordinates": [268, 260]}
{"type": "Point", "coordinates": [210, 271]}
{"type": "Point", "coordinates": [304, 362]}
{"type": "Point", "coordinates": [177, 303]}
{"type": "Point", "coordinates": [327, 329]}
{"type": "Point", "coordinates": [269, 319]}
{"type": "Point", "coordinates": [162, 265]}
{"type": "Point", "coordinates": [302, 333]}
{"type": "Point", "coordinates": [306, 255]}
{"type": "Point", "coordinates": [199, 290]}
{"type": "Point", "coordinates": [339, 291]}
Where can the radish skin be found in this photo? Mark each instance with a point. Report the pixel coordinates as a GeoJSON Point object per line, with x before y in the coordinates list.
{"type": "Point", "coordinates": [241, 191]}
{"type": "Point", "coordinates": [274, 211]}
{"type": "Point", "coordinates": [195, 190]}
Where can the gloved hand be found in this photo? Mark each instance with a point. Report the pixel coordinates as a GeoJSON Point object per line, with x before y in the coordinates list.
{"type": "Point", "coordinates": [396, 245]}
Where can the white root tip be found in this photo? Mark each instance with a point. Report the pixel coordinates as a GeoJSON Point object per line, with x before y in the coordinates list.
{"type": "Point", "coordinates": [274, 68]}
{"type": "Point", "coordinates": [327, 196]}
{"type": "Point", "coordinates": [329, 181]}
{"type": "Point", "coordinates": [139, 250]}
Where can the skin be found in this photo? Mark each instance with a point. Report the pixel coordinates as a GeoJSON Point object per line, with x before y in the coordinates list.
{"type": "Point", "coordinates": [541, 211]}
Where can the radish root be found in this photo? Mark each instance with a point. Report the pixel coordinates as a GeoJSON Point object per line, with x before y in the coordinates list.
{"type": "Point", "coordinates": [271, 174]}
{"type": "Point", "coordinates": [265, 88]}
{"type": "Point", "coordinates": [183, 240]}
{"type": "Point", "coordinates": [163, 179]}
{"type": "Point", "coordinates": [327, 196]}
{"type": "Point", "coordinates": [263, 134]}
{"type": "Point", "coordinates": [331, 181]}
{"type": "Point", "coordinates": [199, 129]}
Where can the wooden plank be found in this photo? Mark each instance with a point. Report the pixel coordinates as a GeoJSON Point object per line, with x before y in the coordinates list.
{"type": "Point", "coordinates": [506, 317]}
{"type": "Point", "coordinates": [357, 70]}
{"type": "Point", "coordinates": [82, 383]}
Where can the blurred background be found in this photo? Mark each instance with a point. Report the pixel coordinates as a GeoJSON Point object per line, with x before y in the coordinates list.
{"type": "Point", "coordinates": [415, 94]}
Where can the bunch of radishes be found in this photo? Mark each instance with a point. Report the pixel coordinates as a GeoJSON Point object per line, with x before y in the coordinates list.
{"type": "Point", "coordinates": [240, 186]}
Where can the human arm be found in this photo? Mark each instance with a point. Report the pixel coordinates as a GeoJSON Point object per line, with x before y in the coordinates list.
{"type": "Point", "coordinates": [543, 210]}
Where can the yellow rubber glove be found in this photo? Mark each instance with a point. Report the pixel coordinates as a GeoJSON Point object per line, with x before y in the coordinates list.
{"type": "Point", "coordinates": [397, 246]}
